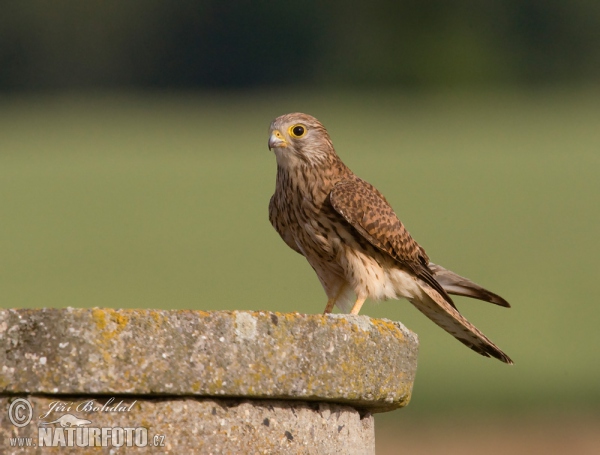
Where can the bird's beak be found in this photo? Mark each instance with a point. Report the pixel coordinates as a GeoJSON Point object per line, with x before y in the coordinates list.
{"type": "Point", "coordinates": [276, 140]}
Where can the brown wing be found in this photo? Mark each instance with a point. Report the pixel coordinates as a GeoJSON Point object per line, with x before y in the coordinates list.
{"type": "Point", "coordinates": [366, 209]}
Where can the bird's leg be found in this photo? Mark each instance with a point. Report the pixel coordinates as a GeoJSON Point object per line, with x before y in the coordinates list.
{"type": "Point", "coordinates": [332, 300]}
{"type": "Point", "coordinates": [330, 305]}
{"type": "Point", "coordinates": [357, 305]}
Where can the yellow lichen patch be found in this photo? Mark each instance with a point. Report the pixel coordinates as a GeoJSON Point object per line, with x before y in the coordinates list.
{"type": "Point", "coordinates": [387, 328]}
{"type": "Point", "coordinates": [99, 318]}
{"type": "Point", "coordinates": [120, 319]}
{"type": "Point", "coordinates": [203, 314]}
{"type": "Point", "coordinates": [290, 317]}
{"type": "Point", "coordinates": [277, 313]}
{"type": "Point", "coordinates": [343, 323]}
{"type": "Point", "coordinates": [105, 320]}
{"type": "Point", "coordinates": [157, 316]}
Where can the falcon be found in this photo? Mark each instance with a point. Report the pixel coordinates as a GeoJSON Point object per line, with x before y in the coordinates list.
{"type": "Point", "coordinates": [351, 237]}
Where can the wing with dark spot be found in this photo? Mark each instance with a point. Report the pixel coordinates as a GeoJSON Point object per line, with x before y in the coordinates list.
{"type": "Point", "coordinates": [367, 210]}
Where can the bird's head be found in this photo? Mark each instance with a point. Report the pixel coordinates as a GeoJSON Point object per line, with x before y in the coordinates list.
{"type": "Point", "coordinates": [299, 139]}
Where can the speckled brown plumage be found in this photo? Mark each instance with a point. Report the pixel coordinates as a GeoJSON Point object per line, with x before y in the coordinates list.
{"type": "Point", "coordinates": [352, 238]}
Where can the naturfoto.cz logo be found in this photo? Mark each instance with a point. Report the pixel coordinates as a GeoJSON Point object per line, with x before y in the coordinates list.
{"type": "Point", "coordinates": [71, 430]}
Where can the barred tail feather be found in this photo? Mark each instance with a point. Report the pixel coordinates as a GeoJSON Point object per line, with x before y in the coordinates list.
{"type": "Point", "coordinates": [436, 308]}
{"type": "Point", "coordinates": [458, 285]}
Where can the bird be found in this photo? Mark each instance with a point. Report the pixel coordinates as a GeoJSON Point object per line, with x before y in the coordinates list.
{"type": "Point", "coordinates": [353, 239]}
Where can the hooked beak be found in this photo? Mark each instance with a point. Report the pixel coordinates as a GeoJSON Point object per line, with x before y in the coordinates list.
{"type": "Point", "coordinates": [276, 140]}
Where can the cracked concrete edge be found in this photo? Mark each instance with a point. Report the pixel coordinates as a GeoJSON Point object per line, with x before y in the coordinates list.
{"type": "Point", "coordinates": [365, 363]}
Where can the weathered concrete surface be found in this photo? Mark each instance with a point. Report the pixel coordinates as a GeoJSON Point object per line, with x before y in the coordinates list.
{"type": "Point", "coordinates": [369, 364]}
{"type": "Point", "coordinates": [200, 426]}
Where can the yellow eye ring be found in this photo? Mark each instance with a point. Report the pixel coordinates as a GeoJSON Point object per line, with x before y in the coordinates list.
{"type": "Point", "coordinates": [297, 130]}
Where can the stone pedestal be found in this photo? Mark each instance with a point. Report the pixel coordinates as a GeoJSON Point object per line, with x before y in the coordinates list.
{"type": "Point", "coordinates": [144, 381]}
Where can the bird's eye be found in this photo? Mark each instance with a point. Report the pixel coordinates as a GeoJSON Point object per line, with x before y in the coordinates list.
{"type": "Point", "coordinates": [297, 131]}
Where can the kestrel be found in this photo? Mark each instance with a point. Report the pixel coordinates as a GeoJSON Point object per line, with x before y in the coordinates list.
{"type": "Point", "coordinates": [351, 237]}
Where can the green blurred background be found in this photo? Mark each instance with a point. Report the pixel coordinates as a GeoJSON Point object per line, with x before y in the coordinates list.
{"type": "Point", "coordinates": [134, 173]}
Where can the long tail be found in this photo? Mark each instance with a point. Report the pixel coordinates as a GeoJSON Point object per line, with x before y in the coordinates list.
{"type": "Point", "coordinates": [440, 311]}
{"type": "Point", "coordinates": [458, 285]}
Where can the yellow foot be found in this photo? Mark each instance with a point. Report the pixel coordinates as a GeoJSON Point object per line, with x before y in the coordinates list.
{"type": "Point", "coordinates": [332, 300]}
{"type": "Point", "coordinates": [329, 306]}
{"type": "Point", "coordinates": [357, 305]}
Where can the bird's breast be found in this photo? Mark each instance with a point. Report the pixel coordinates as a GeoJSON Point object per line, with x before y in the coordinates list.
{"type": "Point", "coordinates": [302, 199]}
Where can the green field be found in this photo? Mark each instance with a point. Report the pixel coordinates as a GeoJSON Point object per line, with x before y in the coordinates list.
{"type": "Point", "coordinates": [160, 201]}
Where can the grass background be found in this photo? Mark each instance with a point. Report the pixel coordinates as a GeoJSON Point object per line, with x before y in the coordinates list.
{"type": "Point", "coordinates": [135, 201]}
